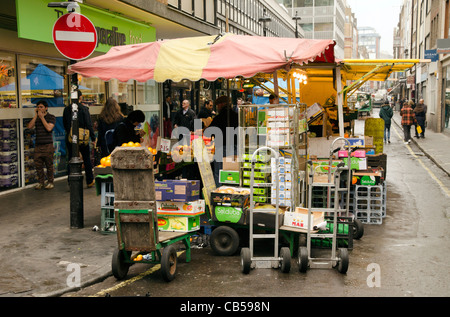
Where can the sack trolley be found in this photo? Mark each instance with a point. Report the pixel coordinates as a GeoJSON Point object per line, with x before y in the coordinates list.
{"type": "Point", "coordinates": [339, 257]}
{"type": "Point", "coordinates": [280, 259]}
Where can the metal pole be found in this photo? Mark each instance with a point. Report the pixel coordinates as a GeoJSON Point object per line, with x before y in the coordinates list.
{"type": "Point", "coordinates": [75, 163]}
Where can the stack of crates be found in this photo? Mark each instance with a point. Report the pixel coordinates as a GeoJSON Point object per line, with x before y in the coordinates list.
{"type": "Point", "coordinates": [108, 223]}
{"type": "Point", "coordinates": [370, 203]}
{"type": "Point", "coordinates": [262, 175]}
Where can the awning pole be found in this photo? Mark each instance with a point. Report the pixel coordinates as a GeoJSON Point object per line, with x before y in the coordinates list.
{"type": "Point", "coordinates": [340, 101]}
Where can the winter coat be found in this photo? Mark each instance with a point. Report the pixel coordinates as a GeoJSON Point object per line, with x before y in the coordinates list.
{"type": "Point", "coordinates": [386, 114]}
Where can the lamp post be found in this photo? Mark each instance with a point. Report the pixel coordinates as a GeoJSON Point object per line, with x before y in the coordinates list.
{"type": "Point", "coordinates": [264, 19]}
{"type": "Point", "coordinates": [296, 18]}
{"type": "Point", "coordinates": [75, 175]}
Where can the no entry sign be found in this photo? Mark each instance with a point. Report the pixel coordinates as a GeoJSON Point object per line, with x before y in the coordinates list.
{"type": "Point", "coordinates": [74, 36]}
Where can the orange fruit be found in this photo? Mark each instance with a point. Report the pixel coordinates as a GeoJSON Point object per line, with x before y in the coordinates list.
{"type": "Point", "coordinates": [137, 144]}
{"type": "Point", "coordinates": [154, 151]}
{"type": "Point", "coordinates": [103, 161]}
{"type": "Point", "coordinates": [124, 144]}
{"type": "Point", "coordinates": [131, 143]}
{"type": "Point", "coordinates": [108, 162]}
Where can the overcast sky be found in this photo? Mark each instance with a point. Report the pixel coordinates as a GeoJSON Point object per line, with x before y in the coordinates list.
{"type": "Point", "coordinates": [382, 15]}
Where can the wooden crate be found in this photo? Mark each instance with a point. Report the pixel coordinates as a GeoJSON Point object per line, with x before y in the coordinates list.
{"type": "Point", "coordinates": [133, 175]}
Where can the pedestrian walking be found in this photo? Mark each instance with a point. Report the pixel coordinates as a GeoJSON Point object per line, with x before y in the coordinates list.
{"type": "Point", "coordinates": [108, 119]}
{"type": "Point", "coordinates": [420, 111]}
{"type": "Point", "coordinates": [84, 122]}
{"type": "Point", "coordinates": [408, 119]}
{"type": "Point", "coordinates": [43, 149]}
{"type": "Point", "coordinates": [386, 114]}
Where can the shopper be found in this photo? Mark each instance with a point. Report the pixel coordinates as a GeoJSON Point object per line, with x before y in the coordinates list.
{"type": "Point", "coordinates": [185, 116]}
{"type": "Point", "coordinates": [108, 119]}
{"type": "Point", "coordinates": [168, 108]}
{"type": "Point", "coordinates": [420, 111]}
{"type": "Point", "coordinates": [227, 118]}
{"type": "Point", "coordinates": [85, 122]}
{"type": "Point", "coordinates": [206, 114]}
{"type": "Point", "coordinates": [126, 130]}
{"type": "Point", "coordinates": [43, 149]}
{"type": "Point", "coordinates": [386, 114]}
{"type": "Point", "coordinates": [408, 119]}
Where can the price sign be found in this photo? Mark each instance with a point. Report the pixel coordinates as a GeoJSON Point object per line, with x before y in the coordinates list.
{"type": "Point", "coordinates": [165, 146]}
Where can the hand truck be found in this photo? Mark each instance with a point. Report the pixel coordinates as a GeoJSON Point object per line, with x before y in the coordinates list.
{"type": "Point", "coordinates": [248, 259]}
{"type": "Point", "coordinates": [339, 257]}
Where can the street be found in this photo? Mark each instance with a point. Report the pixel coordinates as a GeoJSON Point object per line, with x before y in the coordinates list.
{"type": "Point", "coordinates": [408, 255]}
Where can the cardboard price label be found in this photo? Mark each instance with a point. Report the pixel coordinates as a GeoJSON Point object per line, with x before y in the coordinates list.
{"type": "Point", "coordinates": [165, 146]}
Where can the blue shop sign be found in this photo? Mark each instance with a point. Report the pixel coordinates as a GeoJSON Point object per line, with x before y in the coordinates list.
{"type": "Point", "coordinates": [432, 55]}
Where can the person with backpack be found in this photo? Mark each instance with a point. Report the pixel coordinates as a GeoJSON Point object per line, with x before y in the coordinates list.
{"type": "Point", "coordinates": [386, 114]}
{"type": "Point", "coordinates": [84, 122]}
{"type": "Point", "coordinates": [125, 131]}
{"type": "Point", "coordinates": [109, 118]}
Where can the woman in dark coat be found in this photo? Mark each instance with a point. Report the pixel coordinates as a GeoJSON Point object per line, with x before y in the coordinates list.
{"type": "Point", "coordinates": [108, 119]}
{"type": "Point", "coordinates": [125, 131]}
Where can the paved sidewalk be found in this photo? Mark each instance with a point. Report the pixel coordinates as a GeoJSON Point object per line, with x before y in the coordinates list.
{"type": "Point", "coordinates": [41, 254]}
{"type": "Point", "coordinates": [436, 146]}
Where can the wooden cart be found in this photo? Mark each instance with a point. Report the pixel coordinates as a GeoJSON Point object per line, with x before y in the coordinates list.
{"type": "Point", "coordinates": [137, 230]}
{"type": "Point", "coordinates": [136, 217]}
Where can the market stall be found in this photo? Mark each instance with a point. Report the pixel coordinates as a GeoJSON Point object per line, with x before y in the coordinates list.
{"type": "Point", "coordinates": [316, 83]}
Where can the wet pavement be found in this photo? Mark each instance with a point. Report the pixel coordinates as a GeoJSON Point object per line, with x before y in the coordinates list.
{"type": "Point", "coordinates": [41, 254]}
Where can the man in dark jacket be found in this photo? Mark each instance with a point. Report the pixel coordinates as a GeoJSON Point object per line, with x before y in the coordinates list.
{"type": "Point", "coordinates": [168, 107]}
{"type": "Point", "coordinates": [185, 116]}
{"type": "Point", "coordinates": [206, 114]}
{"type": "Point", "coordinates": [386, 114]}
{"type": "Point", "coordinates": [85, 122]}
{"type": "Point", "coordinates": [227, 118]}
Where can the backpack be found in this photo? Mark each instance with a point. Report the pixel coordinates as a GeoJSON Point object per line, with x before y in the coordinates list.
{"type": "Point", "coordinates": [109, 140]}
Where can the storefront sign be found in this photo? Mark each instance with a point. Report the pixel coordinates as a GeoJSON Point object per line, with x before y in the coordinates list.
{"type": "Point", "coordinates": [432, 55]}
{"type": "Point", "coordinates": [74, 36]}
{"type": "Point", "coordinates": [443, 46]}
{"type": "Point", "coordinates": [35, 21]}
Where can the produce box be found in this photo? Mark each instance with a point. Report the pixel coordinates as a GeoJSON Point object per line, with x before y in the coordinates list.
{"type": "Point", "coordinates": [231, 197]}
{"type": "Point", "coordinates": [357, 163]}
{"type": "Point", "coordinates": [184, 190]}
{"type": "Point", "coordinates": [229, 177]}
{"type": "Point", "coordinates": [178, 224]}
{"type": "Point", "coordinates": [230, 214]}
{"type": "Point", "coordinates": [178, 208]}
{"type": "Point", "coordinates": [369, 177]}
{"type": "Point", "coordinates": [299, 218]}
{"type": "Point", "coordinates": [163, 191]}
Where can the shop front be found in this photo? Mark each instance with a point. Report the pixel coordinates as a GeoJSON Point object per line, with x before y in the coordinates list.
{"type": "Point", "coordinates": [31, 69]}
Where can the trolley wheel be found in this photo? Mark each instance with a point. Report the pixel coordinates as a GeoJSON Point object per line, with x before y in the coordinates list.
{"type": "Point", "coordinates": [119, 266]}
{"type": "Point", "coordinates": [224, 240]}
{"type": "Point", "coordinates": [285, 255]}
{"type": "Point", "coordinates": [302, 240]}
{"type": "Point", "coordinates": [342, 265]}
{"type": "Point", "coordinates": [302, 259]}
{"type": "Point", "coordinates": [246, 260]}
{"type": "Point", "coordinates": [358, 229]}
{"type": "Point", "coordinates": [169, 263]}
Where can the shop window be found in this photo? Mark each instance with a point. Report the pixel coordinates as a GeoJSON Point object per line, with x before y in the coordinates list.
{"type": "Point", "coordinates": [93, 90]}
{"type": "Point", "coordinates": [123, 92]}
{"type": "Point", "coordinates": [147, 93]}
{"type": "Point", "coordinates": [43, 79]}
{"type": "Point", "coordinates": [8, 96]}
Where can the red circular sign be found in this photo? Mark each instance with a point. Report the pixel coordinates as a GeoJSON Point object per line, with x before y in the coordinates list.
{"type": "Point", "coordinates": [74, 36]}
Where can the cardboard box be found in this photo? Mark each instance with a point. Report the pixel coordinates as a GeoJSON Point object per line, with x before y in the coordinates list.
{"type": "Point", "coordinates": [229, 177]}
{"type": "Point", "coordinates": [178, 208]}
{"type": "Point", "coordinates": [357, 163]}
{"type": "Point", "coordinates": [370, 177]}
{"type": "Point", "coordinates": [178, 224]}
{"type": "Point", "coordinates": [184, 190]}
{"type": "Point", "coordinates": [299, 218]}
{"type": "Point", "coordinates": [163, 191]}
{"type": "Point", "coordinates": [230, 163]}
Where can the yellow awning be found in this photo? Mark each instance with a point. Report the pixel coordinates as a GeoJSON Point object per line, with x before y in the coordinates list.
{"type": "Point", "coordinates": [361, 70]}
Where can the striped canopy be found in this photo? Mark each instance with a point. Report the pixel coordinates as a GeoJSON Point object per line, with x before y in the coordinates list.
{"type": "Point", "coordinates": [205, 57]}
